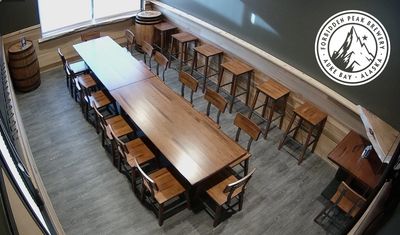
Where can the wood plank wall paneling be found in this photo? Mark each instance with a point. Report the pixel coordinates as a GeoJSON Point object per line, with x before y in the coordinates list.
{"type": "Point", "coordinates": [47, 51]}
{"type": "Point", "coordinates": [341, 119]}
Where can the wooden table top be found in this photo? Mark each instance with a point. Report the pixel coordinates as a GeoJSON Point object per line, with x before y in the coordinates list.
{"type": "Point", "coordinates": [111, 63]}
{"type": "Point", "coordinates": [347, 155]}
{"type": "Point", "coordinates": [194, 147]}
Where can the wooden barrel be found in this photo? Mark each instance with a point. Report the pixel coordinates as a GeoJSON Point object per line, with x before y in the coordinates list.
{"type": "Point", "coordinates": [144, 27]}
{"type": "Point", "coordinates": [24, 66]}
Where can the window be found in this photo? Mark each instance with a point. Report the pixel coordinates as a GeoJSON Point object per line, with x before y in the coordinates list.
{"type": "Point", "coordinates": [58, 16]}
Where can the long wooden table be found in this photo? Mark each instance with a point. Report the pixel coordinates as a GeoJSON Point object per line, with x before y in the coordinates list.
{"type": "Point", "coordinates": [194, 147]}
{"type": "Point", "coordinates": [111, 63]}
{"type": "Point", "coordinates": [185, 137]}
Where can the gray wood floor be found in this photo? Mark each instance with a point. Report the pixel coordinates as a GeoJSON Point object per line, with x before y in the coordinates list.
{"type": "Point", "coordinates": [90, 196]}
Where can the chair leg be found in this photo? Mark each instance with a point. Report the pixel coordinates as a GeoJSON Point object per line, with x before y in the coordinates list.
{"type": "Point", "coordinates": [133, 179]}
{"type": "Point", "coordinates": [246, 167]}
{"type": "Point", "coordinates": [233, 93]}
{"type": "Point", "coordinates": [220, 75]}
{"type": "Point", "coordinates": [240, 201]}
{"type": "Point", "coordinates": [270, 116]}
{"type": "Point", "coordinates": [194, 64]}
{"type": "Point", "coordinates": [305, 145]}
{"type": "Point", "coordinates": [161, 214]}
{"type": "Point", "coordinates": [248, 89]}
{"type": "Point", "coordinates": [254, 103]}
{"type": "Point", "coordinates": [287, 132]}
{"type": "Point", "coordinates": [188, 203]}
{"type": "Point", "coordinates": [205, 74]}
{"type": "Point", "coordinates": [217, 217]}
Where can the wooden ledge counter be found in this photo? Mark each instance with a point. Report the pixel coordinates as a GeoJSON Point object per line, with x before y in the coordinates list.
{"type": "Point", "coordinates": [112, 64]}
{"type": "Point", "coordinates": [193, 146]}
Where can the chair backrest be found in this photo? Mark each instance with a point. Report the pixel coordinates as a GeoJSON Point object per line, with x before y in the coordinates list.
{"type": "Point", "coordinates": [121, 146]}
{"type": "Point", "coordinates": [64, 62]}
{"type": "Point", "coordinates": [189, 81]}
{"type": "Point", "coordinates": [102, 121]}
{"type": "Point", "coordinates": [147, 48]}
{"type": "Point", "coordinates": [146, 180]}
{"type": "Point", "coordinates": [238, 187]}
{"type": "Point", "coordinates": [217, 100]}
{"type": "Point", "coordinates": [248, 126]}
{"type": "Point", "coordinates": [348, 200]}
{"type": "Point", "coordinates": [162, 62]}
{"type": "Point", "coordinates": [90, 35]}
{"type": "Point", "coordinates": [130, 39]}
{"type": "Point", "coordinates": [69, 71]}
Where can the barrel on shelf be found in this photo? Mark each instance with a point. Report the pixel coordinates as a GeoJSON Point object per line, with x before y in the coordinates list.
{"type": "Point", "coordinates": [24, 66]}
{"type": "Point", "coordinates": [144, 27]}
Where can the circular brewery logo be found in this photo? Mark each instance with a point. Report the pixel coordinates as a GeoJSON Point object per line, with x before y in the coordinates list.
{"type": "Point", "coordinates": [352, 48]}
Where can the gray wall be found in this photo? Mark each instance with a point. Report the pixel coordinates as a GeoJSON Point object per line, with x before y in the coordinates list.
{"type": "Point", "coordinates": [17, 14]}
{"type": "Point", "coordinates": [296, 24]}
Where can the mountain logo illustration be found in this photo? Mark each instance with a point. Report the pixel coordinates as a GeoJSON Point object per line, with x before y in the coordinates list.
{"type": "Point", "coordinates": [352, 48]}
{"type": "Point", "coordinates": [353, 55]}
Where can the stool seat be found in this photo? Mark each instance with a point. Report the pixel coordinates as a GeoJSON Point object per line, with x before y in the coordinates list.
{"type": "Point", "coordinates": [208, 50]}
{"type": "Point", "coordinates": [273, 89]}
{"type": "Point", "coordinates": [184, 37]}
{"type": "Point", "coordinates": [164, 26]}
{"type": "Point", "coordinates": [86, 81]}
{"type": "Point", "coordinates": [236, 67]}
{"type": "Point", "coordinates": [310, 113]}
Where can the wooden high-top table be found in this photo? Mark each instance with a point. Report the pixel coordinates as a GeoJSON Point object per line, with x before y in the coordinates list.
{"type": "Point", "coordinates": [193, 146]}
{"type": "Point", "coordinates": [111, 63]}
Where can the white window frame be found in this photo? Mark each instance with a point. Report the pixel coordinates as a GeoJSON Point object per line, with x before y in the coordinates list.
{"type": "Point", "coordinates": [87, 24]}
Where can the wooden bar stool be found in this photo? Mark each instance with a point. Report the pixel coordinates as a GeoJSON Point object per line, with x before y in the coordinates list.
{"type": "Point", "coordinates": [237, 69]}
{"type": "Point", "coordinates": [183, 40]}
{"type": "Point", "coordinates": [315, 119]}
{"type": "Point", "coordinates": [207, 51]}
{"type": "Point", "coordinates": [278, 95]}
{"type": "Point", "coordinates": [162, 33]}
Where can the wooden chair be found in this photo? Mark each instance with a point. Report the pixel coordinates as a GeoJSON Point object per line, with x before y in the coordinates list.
{"type": "Point", "coordinates": [189, 81]}
{"type": "Point", "coordinates": [77, 68]}
{"type": "Point", "coordinates": [217, 100]}
{"type": "Point", "coordinates": [253, 131]}
{"type": "Point", "coordinates": [162, 62]}
{"type": "Point", "coordinates": [128, 152]}
{"type": "Point", "coordinates": [115, 123]}
{"type": "Point", "coordinates": [85, 78]}
{"type": "Point", "coordinates": [227, 194]}
{"type": "Point", "coordinates": [90, 35]}
{"type": "Point", "coordinates": [347, 201]}
{"type": "Point", "coordinates": [148, 51]}
{"type": "Point", "coordinates": [162, 191]}
{"type": "Point", "coordinates": [130, 40]}
{"type": "Point", "coordinates": [93, 98]}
